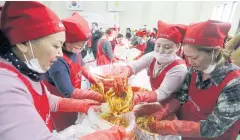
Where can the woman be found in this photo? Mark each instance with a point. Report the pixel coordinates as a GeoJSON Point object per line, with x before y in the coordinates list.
{"type": "Point", "coordinates": [104, 49]}
{"type": "Point", "coordinates": [140, 42]}
{"type": "Point", "coordinates": [64, 77]}
{"type": "Point", "coordinates": [166, 70]}
{"type": "Point", "coordinates": [25, 102]}
{"type": "Point", "coordinates": [209, 97]}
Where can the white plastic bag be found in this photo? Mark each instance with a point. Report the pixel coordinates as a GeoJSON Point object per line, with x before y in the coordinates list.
{"type": "Point", "coordinates": [98, 123]}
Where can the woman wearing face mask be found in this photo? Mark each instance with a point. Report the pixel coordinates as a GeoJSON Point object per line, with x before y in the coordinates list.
{"type": "Point", "coordinates": [31, 39]}
{"type": "Point", "coordinates": [104, 49]}
{"type": "Point", "coordinates": [166, 70]}
{"type": "Point", "coordinates": [64, 77]}
{"type": "Point", "coordinates": [209, 98]}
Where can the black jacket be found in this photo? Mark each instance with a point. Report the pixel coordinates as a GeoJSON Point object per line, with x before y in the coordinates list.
{"type": "Point", "coordinates": [150, 46]}
{"type": "Point", "coordinates": [95, 37]}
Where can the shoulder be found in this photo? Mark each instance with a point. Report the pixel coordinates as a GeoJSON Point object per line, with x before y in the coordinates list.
{"type": "Point", "coordinates": [59, 65]}
{"type": "Point", "coordinates": [233, 84]}
{"type": "Point", "coordinates": [229, 98]}
{"type": "Point", "coordinates": [13, 87]}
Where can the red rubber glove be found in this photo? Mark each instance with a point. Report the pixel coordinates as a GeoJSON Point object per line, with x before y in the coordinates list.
{"type": "Point", "coordinates": [87, 94]}
{"type": "Point", "coordinates": [176, 127]}
{"type": "Point", "coordinates": [114, 133]}
{"type": "Point", "coordinates": [170, 107]}
{"type": "Point", "coordinates": [146, 109]}
{"type": "Point", "coordinates": [146, 96]}
{"type": "Point", "coordinates": [74, 105]}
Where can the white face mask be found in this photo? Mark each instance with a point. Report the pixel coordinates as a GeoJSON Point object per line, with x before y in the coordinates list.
{"type": "Point", "coordinates": [211, 67]}
{"type": "Point", "coordinates": [33, 63]}
{"type": "Point", "coordinates": [164, 58]}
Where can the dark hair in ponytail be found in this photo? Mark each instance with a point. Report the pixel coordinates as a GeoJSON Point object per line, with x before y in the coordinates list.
{"type": "Point", "coordinates": [5, 45]}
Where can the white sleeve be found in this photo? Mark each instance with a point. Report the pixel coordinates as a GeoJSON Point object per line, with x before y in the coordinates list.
{"type": "Point", "coordinates": [19, 119]}
{"type": "Point", "coordinates": [143, 63]}
{"type": "Point", "coordinates": [53, 100]}
{"type": "Point", "coordinates": [171, 82]}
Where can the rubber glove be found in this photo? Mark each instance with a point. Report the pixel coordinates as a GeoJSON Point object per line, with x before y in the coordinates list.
{"type": "Point", "coordinates": [114, 133]}
{"type": "Point", "coordinates": [176, 127]}
{"type": "Point", "coordinates": [146, 109]}
{"type": "Point", "coordinates": [128, 71]}
{"type": "Point", "coordinates": [74, 105]}
{"type": "Point", "coordinates": [169, 108]}
{"type": "Point", "coordinates": [87, 94]}
{"type": "Point", "coordinates": [145, 96]}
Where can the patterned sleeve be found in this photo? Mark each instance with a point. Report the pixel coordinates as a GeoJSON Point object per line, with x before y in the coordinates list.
{"type": "Point", "coordinates": [182, 93]}
{"type": "Point", "coordinates": [225, 113]}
